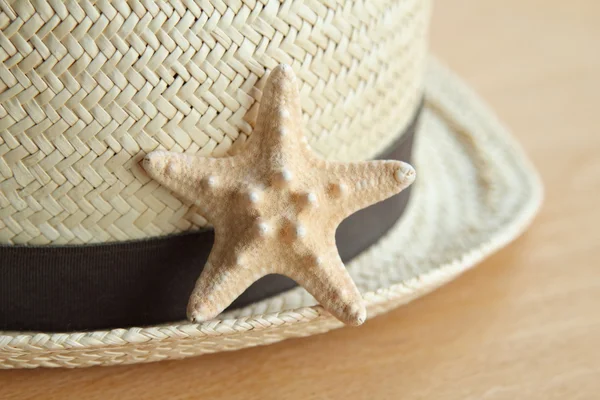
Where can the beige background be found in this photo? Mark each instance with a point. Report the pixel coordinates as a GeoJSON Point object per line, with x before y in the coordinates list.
{"type": "Point", "coordinates": [524, 324]}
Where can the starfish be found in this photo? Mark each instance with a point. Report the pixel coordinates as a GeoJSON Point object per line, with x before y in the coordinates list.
{"type": "Point", "coordinates": [275, 207]}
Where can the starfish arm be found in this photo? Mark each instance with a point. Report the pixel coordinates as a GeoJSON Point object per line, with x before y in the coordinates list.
{"type": "Point", "coordinates": [279, 119]}
{"type": "Point", "coordinates": [200, 179]}
{"type": "Point", "coordinates": [326, 278]}
{"type": "Point", "coordinates": [224, 278]}
{"type": "Point", "coordinates": [357, 185]}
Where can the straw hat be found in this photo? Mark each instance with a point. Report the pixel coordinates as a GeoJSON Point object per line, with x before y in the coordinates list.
{"type": "Point", "coordinates": [87, 90]}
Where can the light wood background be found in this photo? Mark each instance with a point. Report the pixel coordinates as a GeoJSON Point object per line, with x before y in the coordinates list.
{"type": "Point", "coordinates": [525, 324]}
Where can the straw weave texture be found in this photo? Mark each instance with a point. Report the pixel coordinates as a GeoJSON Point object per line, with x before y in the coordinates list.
{"type": "Point", "coordinates": [475, 193]}
{"type": "Point", "coordinates": [87, 88]}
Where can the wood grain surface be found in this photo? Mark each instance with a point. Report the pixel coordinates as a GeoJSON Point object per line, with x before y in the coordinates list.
{"type": "Point", "coordinates": [524, 324]}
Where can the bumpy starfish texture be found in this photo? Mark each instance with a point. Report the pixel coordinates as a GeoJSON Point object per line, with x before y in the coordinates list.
{"type": "Point", "coordinates": [275, 207]}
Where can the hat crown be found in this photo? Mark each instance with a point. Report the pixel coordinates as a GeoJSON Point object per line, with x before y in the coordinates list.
{"type": "Point", "coordinates": [89, 89]}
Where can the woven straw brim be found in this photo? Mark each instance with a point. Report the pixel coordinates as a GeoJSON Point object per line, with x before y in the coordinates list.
{"type": "Point", "coordinates": [475, 192]}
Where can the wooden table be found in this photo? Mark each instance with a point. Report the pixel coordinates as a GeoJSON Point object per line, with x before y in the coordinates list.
{"type": "Point", "coordinates": [524, 324]}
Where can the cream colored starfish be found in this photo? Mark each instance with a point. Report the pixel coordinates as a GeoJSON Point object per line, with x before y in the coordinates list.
{"type": "Point", "coordinates": [275, 207]}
